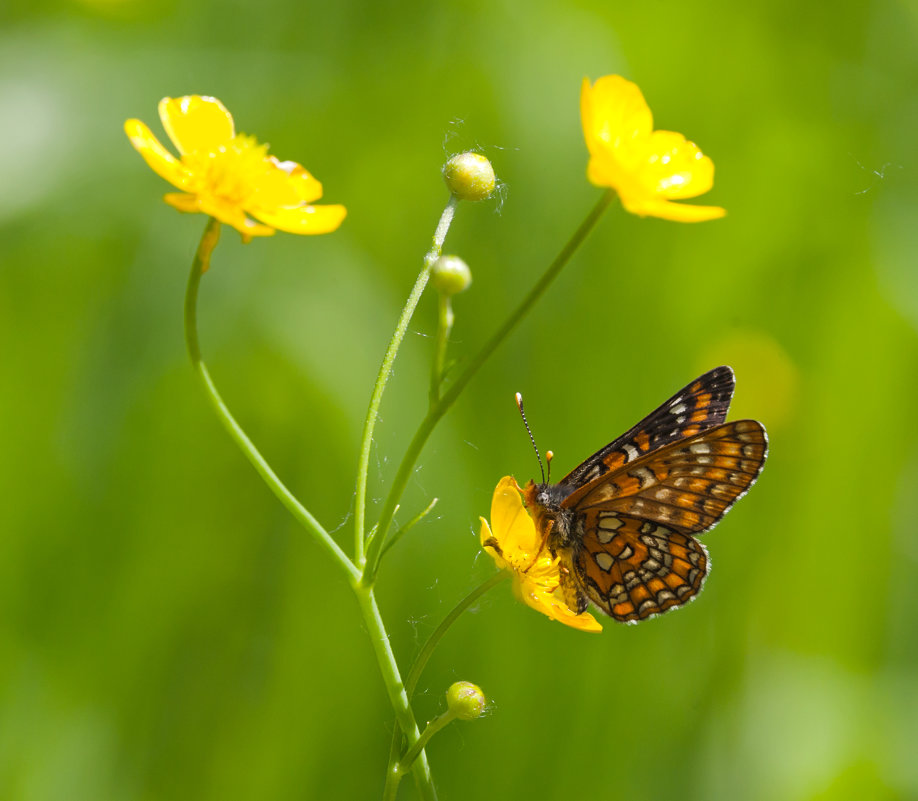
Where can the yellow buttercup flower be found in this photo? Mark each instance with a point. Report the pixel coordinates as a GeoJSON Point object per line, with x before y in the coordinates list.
{"type": "Point", "coordinates": [647, 168]}
{"type": "Point", "coordinates": [513, 542]}
{"type": "Point", "coordinates": [229, 175]}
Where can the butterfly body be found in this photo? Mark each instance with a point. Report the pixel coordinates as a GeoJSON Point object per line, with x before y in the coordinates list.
{"type": "Point", "coordinates": [622, 523]}
{"type": "Point", "coordinates": [563, 531]}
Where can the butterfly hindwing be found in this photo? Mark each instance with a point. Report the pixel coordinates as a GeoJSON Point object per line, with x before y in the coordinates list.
{"type": "Point", "coordinates": [700, 405]}
{"type": "Point", "coordinates": [633, 569]}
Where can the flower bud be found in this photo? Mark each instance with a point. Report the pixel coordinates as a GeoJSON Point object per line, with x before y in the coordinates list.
{"type": "Point", "coordinates": [465, 700]}
{"type": "Point", "coordinates": [450, 275]}
{"type": "Point", "coordinates": [469, 176]}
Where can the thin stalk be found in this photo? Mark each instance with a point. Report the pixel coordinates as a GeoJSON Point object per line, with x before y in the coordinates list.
{"type": "Point", "coordinates": [445, 320]}
{"type": "Point", "coordinates": [420, 662]}
{"type": "Point", "coordinates": [366, 600]}
{"type": "Point", "coordinates": [399, 533]}
{"type": "Point", "coordinates": [430, 730]}
{"type": "Point", "coordinates": [406, 467]}
{"type": "Point", "coordinates": [302, 515]}
{"type": "Point", "coordinates": [398, 697]}
{"type": "Point", "coordinates": [385, 370]}
{"type": "Point", "coordinates": [393, 773]}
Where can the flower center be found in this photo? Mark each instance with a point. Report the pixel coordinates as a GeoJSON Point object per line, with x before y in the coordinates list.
{"type": "Point", "coordinates": [232, 172]}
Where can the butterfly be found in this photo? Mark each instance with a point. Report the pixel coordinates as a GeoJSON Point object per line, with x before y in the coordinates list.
{"type": "Point", "coordinates": [623, 523]}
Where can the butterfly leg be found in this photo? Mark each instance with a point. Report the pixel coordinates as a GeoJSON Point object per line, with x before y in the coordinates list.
{"type": "Point", "coordinates": [549, 524]}
{"type": "Point", "coordinates": [491, 542]}
{"type": "Point", "coordinates": [574, 598]}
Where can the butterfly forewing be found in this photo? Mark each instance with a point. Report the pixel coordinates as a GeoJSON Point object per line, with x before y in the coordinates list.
{"type": "Point", "coordinates": [700, 405]}
{"type": "Point", "coordinates": [687, 485]}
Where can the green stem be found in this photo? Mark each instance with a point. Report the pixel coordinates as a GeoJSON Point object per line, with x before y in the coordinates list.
{"type": "Point", "coordinates": [398, 697]}
{"type": "Point", "coordinates": [302, 515]}
{"type": "Point", "coordinates": [444, 326]}
{"type": "Point", "coordinates": [393, 774]}
{"type": "Point", "coordinates": [414, 675]}
{"type": "Point", "coordinates": [385, 370]}
{"type": "Point", "coordinates": [406, 468]}
{"type": "Point", "coordinates": [430, 730]}
{"type": "Point", "coordinates": [399, 533]}
{"type": "Point", "coordinates": [366, 600]}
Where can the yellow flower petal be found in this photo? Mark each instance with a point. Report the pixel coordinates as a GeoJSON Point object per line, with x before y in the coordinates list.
{"type": "Point", "coordinates": [678, 212]}
{"type": "Point", "coordinates": [160, 160]}
{"type": "Point", "coordinates": [675, 168]}
{"type": "Point", "coordinates": [614, 114]}
{"type": "Point", "coordinates": [233, 215]}
{"type": "Point", "coordinates": [550, 605]}
{"type": "Point", "coordinates": [647, 168]}
{"type": "Point", "coordinates": [306, 187]}
{"type": "Point", "coordinates": [195, 123]}
{"type": "Point", "coordinates": [510, 518]}
{"type": "Point", "coordinates": [304, 219]}
{"type": "Point", "coordinates": [486, 541]}
{"type": "Point", "coordinates": [275, 188]}
{"type": "Point", "coordinates": [514, 543]}
{"type": "Point", "coordinates": [183, 202]}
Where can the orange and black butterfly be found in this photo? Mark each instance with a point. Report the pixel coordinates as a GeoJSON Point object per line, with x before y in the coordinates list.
{"type": "Point", "coordinates": [623, 522]}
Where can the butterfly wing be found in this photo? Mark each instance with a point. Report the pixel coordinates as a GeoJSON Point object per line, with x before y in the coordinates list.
{"type": "Point", "coordinates": [687, 485]}
{"type": "Point", "coordinates": [636, 556]}
{"type": "Point", "coordinates": [700, 405]}
{"type": "Point", "coordinates": [633, 569]}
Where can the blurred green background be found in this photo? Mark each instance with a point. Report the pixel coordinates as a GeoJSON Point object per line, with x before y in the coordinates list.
{"type": "Point", "coordinates": [167, 630]}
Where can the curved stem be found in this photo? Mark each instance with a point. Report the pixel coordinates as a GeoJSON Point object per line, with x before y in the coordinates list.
{"type": "Point", "coordinates": [394, 772]}
{"type": "Point", "coordinates": [398, 697]}
{"type": "Point", "coordinates": [414, 675]}
{"type": "Point", "coordinates": [367, 601]}
{"type": "Point", "coordinates": [385, 370]}
{"type": "Point", "coordinates": [302, 515]}
{"type": "Point", "coordinates": [430, 730]}
{"type": "Point", "coordinates": [400, 532]}
{"type": "Point", "coordinates": [437, 411]}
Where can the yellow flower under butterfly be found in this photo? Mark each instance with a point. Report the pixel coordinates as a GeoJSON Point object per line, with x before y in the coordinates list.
{"type": "Point", "coordinates": [512, 540]}
{"type": "Point", "coordinates": [648, 169]}
{"type": "Point", "coordinates": [228, 175]}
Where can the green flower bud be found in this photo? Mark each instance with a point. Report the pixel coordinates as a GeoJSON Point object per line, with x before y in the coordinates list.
{"type": "Point", "coordinates": [465, 700]}
{"type": "Point", "coordinates": [450, 275]}
{"type": "Point", "coordinates": [469, 176]}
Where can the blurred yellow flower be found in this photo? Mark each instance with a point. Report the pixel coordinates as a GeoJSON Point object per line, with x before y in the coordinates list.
{"type": "Point", "coordinates": [229, 175]}
{"type": "Point", "coordinates": [647, 168]}
{"type": "Point", "coordinates": [513, 543]}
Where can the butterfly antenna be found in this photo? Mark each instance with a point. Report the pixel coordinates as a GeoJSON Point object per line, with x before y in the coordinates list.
{"type": "Point", "coordinates": [519, 403]}
{"type": "Point", "coordinates": [548, 457]}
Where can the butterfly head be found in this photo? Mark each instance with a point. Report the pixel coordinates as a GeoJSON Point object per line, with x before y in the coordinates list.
{"type": "Point", "coordinates": [544, 497]}
{"type": "Point", "coordinates": [544, 504]}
